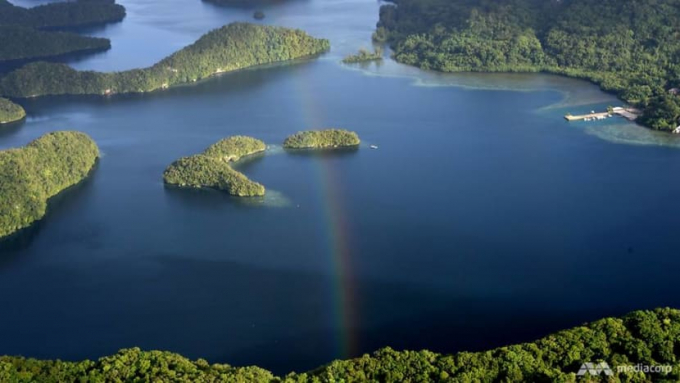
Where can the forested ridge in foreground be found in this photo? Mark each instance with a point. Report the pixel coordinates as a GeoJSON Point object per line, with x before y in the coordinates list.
{"type": "Point", "coordinates": [649, 338]}
{"type": "Point", "coordinates": [65, 14]}
{"type": "Point", "coordinates": [31, 175]}
{"type": "Point", "coordinates": [234, 46]}
{"type": "Point", "coordinates": [628, 47]}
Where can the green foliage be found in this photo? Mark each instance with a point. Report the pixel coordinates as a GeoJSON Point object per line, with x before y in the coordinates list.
{"type": "Point", "coordinates": [628, 47]}
{"type": "Point", "coordinates": [235, 147]}
{"type": "Point", "coordinates": [10, 112]}
{"type": "Point", "coordinates": [328, 138]}
{"type": "Point", "coordinates": [645, 337]}
{"type": "Point", "coordinates": [29, 176]}
{"type": "Point", "coordinates": [62, 14]}
{"type": "Point", "coordinates": [211, 169]}
{"type": "Point", "coordinates": [232, 47]}
{"type": "Point", "coordinates": [29, 43]}
{"type": "Point", "coordinates": [364, 55]}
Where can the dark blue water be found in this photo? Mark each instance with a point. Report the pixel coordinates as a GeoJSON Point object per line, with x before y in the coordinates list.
{"type": "Point", "coordinates": [482, 219]}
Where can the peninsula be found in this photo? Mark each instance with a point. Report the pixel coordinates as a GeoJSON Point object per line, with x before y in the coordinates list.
{"type": "Point", "coordinates": [10, 112]}
{"type": "Point", "coordinates": [212, 169]}
{"type": "Point", "coordinates": [31, 175]}
{"type": "Point", "coordinates": [640, 338]}
{"type": "Point", "coordinates": [322, 139]}
{"type": "Point", "coordinates": [618, 45]}
{"type": "Point", "coordinates": [232, 47]}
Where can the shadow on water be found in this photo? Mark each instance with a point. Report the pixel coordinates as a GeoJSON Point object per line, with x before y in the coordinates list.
{"type": "Point", "coordinates": [324, 153]}
{"type": "Point", "coordinates": [10, 65]}
{"type": "Point", "coordinates": [311, 335]}
{"type": "Point", "coordinates": [208, 199]}
{"type": "Point", "coordinates": [11, 128]}
{"type": "Point", "coordinates": [15, 243]}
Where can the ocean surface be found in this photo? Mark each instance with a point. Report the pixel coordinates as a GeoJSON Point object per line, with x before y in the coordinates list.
{"type": "Point", "coordinates": [483, 217]}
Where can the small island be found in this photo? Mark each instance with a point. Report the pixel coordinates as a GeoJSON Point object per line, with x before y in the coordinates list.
{"type": "Point", "coordinates": [322, 139]}
{"type": "Point", "coordinates": [31, 175]}
{"type": "Point", "coordinates": [212, 169]}
{"type": "Point", "coordinates": [364, 56]}
{"type": "Point", "coordinates": [258, 15]}
{"type": "Point", "coordinates": [232, 47]}
{"type": "Point", "coordinates": [10, 112]}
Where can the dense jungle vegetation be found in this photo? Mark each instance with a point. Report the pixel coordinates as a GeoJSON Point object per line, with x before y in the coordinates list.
{"type": "Point", "coordinates": [31, 175]}
{"type": "Point", "coordinates": [364, 55]}
{"type": "Point", "coordinates": [628, 47]}
{"type": "Point", "coordinates": [317, 139]}
{"type": "Point", "coordinates": [641, 337]}
{"type": "Point", "coordinates": [22, 43]}
{"type": "Point", "coordinates": [232, 47]}
{"type": "Point", "coordinates": [211, 169]}
{"type": "Point", "coordinates": [10, 112]}
{"type": "Point", "coordinates": [66, 14]}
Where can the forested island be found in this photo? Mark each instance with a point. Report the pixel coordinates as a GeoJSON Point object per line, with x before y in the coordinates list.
{"type": "Point", "coordinates": [642, 337]}
{"type": "Point", "coordinates": [364, 55]}
{"type": "Point", "coordinates": [31, 175]}
{"type": "Point", "coordinates": [65, 14]}
{"type": "Point", "coordinates": [232, 47]}
{"type": "Point", "coordinates": [10, 112]}
{"type": "Point", "coordinates": [211, 169]}
{"type": "Point", "coordinates": [627, 47]}
{"type": "Point", "coordinates": [28, 33]}
{"type": "Point", "coordinates": [322, 139]}
{"type": "Point", "coordinates": [22, 43]}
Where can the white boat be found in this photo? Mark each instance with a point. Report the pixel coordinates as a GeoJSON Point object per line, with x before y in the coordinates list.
{"type": "Point", "coordinates": [373, 146]}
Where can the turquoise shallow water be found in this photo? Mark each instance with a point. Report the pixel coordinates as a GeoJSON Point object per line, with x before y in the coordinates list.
{"type": "Point", "coordinates": [482, 218]}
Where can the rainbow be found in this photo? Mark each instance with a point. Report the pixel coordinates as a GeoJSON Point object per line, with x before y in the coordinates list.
{"type": "Point", "coordinates": [338, 241]}
{"type": "Point", "coordinates": [337, 237]}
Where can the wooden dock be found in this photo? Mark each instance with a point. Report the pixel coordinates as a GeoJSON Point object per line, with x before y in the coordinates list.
{"type": "Point", "coordinates": [628, 113]}
{"type": "Point", "coordinates": [590, 116]}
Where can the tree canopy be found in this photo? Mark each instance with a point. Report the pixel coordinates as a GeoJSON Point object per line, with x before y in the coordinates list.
{"type": "Point", "coordinates": [10, 112]}
{"type": "Point", "coordinates": [319, 139]}
{"type": "Point", "coordinates": [212, 169]}
{"type": "Point", "coordinates": [31, 175]}
{"type": "Point", "coordinates": [628, 47]}
{"type": "Point", "coordinates": [62, 14]}
{"type": "Point", "coordinates": [232, 47]}
{"type": "Point", "coordinates": [642, 337]}
{"type": "Point", "coordinates": [22, 43]}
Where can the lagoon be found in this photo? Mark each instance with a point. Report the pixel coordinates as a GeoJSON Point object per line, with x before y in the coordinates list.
{"type": "Point", "coordinates": [483, 218]}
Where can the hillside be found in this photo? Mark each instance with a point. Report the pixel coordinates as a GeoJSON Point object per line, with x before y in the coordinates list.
{"type": "Point", "coordinates": [628, 47]}
{"type": "Point", "coordinates": [10, 112]}
{"type": "Point", "coordinates": [649, 338]}
{"type": "Point", "coordinates": [232, 47]}
{"type": "Point", "coordinates": [31, 175]}
{"type": "Point", "coordinates": [21, 43]}
{"type": "Point", "coordinates": [62, 14]}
